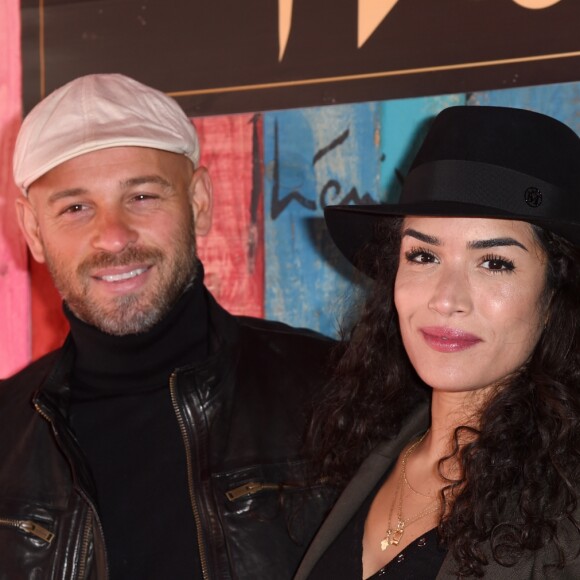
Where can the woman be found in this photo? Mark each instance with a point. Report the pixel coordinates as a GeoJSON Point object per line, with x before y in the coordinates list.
{"type": "Point", "coordinates": [458, 395]}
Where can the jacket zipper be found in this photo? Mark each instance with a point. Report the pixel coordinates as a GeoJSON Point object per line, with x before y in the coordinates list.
{"type": "Point", "coordinates": [252, 488]}
{"type": "Point", "coordinates": [86, 529]}
{"type": "Point", "coordinates": [85, 546]}
{"type": "Point", "coordinates": [189, 461]}
{"type": "Point", "coordinates": [29, 527]}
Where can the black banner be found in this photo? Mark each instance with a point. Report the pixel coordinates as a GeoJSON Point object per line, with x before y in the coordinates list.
{"type": "Point", "coordinates": [225, 56]}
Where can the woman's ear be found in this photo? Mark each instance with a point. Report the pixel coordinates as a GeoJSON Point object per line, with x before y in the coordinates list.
{"type": "Point", "coordinates": [201, 199]}
{"type": "Point", "coordinates": [28, 223]}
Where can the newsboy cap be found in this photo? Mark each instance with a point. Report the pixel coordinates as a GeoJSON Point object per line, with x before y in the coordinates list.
{"type": "Point", "coordinates": [97, 112]}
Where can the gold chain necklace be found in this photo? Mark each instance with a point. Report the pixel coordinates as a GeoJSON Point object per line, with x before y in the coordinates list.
{"type": "Point", "coordinates": [404, 470]}
{"type": "Point", "coordinates": [393, 535]}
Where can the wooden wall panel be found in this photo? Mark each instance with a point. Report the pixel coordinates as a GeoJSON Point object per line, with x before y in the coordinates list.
{"type": "Point", "coordinates": [321, 156]}
{"type": "Point", "coordinates": [328, 155]}
{"type": "Point", "coordinates": [14, 281]}
{"type": "Point", "coordinates": [314, 157]}
{"type": "Point", "coordinates": [404, 123]}
{"type": "Point", "coordinates": [49, 325]}
{"type": "Point", "coordinates": [233, 252]}
{"type": "Point", "coordinates": [561, 101]}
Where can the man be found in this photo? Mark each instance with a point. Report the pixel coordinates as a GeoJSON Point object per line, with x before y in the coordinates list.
{"type": "Point", "coordinates": [163, 439]}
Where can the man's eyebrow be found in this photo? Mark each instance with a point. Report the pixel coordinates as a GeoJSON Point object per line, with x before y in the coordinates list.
{"type": "Point", "coordinates": [495, 242]}
{"type": "Point", "coordinates": [58, 195]}
{"type": "Point", "coordinates": [422, 237]}
{"type": "Point", "coordinates": [144, 180]}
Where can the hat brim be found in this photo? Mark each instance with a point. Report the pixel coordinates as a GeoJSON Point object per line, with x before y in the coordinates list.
{"type": "Point", "coordinates": [352, 227]}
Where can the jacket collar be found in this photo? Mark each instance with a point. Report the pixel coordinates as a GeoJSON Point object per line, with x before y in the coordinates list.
{"type": "Point", "coordinates": [207, 375]}
{"type": "Point", "coordinates": [369, 473]}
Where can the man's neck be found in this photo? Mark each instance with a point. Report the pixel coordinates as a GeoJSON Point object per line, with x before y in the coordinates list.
{"type": "Point", "coordinates": [112, 365]}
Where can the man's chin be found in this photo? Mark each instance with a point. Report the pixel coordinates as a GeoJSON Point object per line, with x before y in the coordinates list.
{"type": "Point", "coordinates": [132, 313]}
{"type": "Point", "coordinates": [136, 324]}
{"type": "Point", "coordinates": [120, 319]}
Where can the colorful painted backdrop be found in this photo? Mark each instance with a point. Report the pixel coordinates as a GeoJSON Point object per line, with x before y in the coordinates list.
{"type": "Point", "coordinates": [268, 254]}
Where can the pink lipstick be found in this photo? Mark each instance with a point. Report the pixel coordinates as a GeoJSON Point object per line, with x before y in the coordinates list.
{"type": "Point", "coordinates": [443, 339]}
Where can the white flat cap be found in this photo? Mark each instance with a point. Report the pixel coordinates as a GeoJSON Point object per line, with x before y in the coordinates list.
{"type": "Point", "coordinates": [97, 112]}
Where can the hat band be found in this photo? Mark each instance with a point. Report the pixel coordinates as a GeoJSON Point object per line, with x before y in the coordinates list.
{"type": "Point", "coordinates": [501, 189]}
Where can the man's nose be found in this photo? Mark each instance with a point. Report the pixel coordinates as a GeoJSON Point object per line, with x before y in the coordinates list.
{"type": "Point", "coordinates": [113, 231]}
{"type": "Point", "coordinates": [452, 292]}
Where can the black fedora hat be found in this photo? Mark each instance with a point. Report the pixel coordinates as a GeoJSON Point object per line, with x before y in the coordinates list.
{"type": "Point", "coordinates": [494, 162]}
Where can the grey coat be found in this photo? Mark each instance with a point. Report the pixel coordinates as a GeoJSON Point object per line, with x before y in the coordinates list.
{"type": "Point", "coordinates": [374, 467]}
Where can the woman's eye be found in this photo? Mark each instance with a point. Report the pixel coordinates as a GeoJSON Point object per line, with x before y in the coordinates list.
{"type": "Point", "coordinates": [497, 264]}
{"type": "Point", "coordinates": [421, 256]}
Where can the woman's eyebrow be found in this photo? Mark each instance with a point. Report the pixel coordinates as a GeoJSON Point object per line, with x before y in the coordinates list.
{"type": "Point", "coordinates": [422, 237]}
{"type": "Point", "coordinates": [475, 245]}
{"type": "Point", "coordinates": [495, 242]}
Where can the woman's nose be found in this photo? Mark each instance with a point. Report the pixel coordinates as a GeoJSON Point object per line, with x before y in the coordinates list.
{"type": "Point", "coordinates": [452, 293]}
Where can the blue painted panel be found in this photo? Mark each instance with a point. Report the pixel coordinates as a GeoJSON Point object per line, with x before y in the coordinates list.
{"type": "Point", "coordinates": [313, 157]}
{"type": "Point", "coordinates": [404, 123]}
{"type": "Point", "coordinates": [319, 156]}
{"type": "Point", "coordinates": [561, 101]}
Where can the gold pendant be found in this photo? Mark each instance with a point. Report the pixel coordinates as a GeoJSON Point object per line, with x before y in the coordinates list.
{"type": "Point", "coordinates": [397, 534]}
{"type": "Point", "coordinates": [393, 537]}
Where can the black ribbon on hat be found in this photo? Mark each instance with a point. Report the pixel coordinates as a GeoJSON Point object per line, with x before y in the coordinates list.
{"type": "Point", "coordinates": [499, 190]}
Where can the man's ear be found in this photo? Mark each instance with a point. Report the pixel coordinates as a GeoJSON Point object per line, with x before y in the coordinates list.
{"type": "Point", "coordinates": [201, 199]}
{"type": "Point", "coordinates": [28, 223]}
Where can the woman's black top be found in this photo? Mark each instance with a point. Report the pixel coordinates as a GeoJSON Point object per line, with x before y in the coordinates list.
{"type": "Point", "coordinates": [420, 560]}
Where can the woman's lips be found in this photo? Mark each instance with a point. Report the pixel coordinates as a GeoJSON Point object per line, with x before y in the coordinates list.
{"type": "Point", "coordinates": [445, 339]}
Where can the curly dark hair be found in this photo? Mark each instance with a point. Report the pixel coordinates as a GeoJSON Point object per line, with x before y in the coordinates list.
{"type": "Point", "coordinates": [521, 465]}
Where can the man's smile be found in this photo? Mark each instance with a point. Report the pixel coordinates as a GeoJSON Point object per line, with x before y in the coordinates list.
{"type": "Point", "coordinates": [122, 276]}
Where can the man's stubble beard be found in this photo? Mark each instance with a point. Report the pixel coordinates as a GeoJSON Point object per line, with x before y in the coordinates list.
{"type": "Point", "coordinates": [131, 313]}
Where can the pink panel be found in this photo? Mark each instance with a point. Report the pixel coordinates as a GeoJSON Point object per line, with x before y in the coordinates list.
{"type": "Point", "coordinates": [14, 282]}
{"type": "Point", "coordinates": [233, 252]}
{"type": "Point", "coordinates": [50, 326]}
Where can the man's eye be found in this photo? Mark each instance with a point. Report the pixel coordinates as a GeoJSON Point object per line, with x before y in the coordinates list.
{"type": "Point", "coordinates": [75, 208]}
{"type": "Point", "coordinates": [144, 197]}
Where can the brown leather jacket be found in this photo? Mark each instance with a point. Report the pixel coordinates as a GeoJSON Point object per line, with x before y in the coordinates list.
{"type": "Point", "coordinates": [254, 516]}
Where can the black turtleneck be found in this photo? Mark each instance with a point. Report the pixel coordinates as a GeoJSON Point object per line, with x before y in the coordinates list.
{"type": "Point", "coordinates": [123, 417]}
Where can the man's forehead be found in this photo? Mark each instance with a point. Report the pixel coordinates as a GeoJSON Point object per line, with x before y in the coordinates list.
{"type": "Point", "coordinates": [127, 165]}
{"type": "Point", "coordinates": [113, 168]}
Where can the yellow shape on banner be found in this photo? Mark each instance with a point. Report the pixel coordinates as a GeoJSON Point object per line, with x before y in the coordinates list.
{"type": "Point", "coordinates": [370, 14]}
{"type": "Point", "coordinates": [284, 25]}
{"type": "Point", "coordinates": [536, 4]}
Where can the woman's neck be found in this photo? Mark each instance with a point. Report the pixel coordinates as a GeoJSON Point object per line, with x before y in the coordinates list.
{"type": "Point", "coordinates": [449, 410]}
